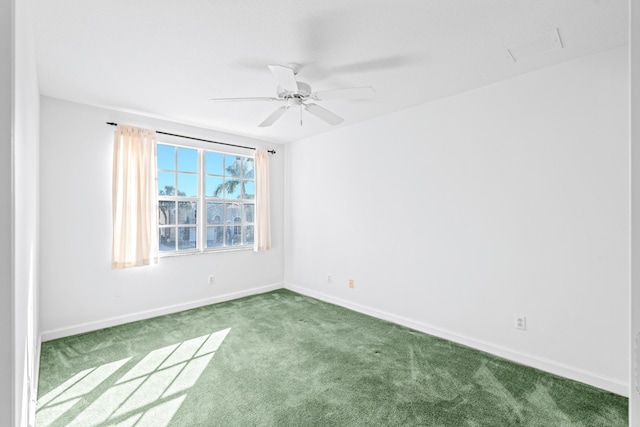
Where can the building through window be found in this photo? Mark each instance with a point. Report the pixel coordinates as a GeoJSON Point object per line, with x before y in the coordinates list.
{"type": "Point", "coordinates": [206, 200]}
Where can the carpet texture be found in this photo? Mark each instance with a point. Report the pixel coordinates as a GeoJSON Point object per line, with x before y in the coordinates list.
{"type": "Point", "coordinates": [282, 359]}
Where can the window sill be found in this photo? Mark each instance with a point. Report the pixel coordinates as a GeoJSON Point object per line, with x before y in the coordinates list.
{"type": "Point", "coordinates": [205, 252]}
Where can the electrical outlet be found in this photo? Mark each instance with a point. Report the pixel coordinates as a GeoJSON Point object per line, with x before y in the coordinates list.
{"type": "Point", "coordinates": [329, 278]}
{"type": "Point", "coordinates": [212, 280]}
{"type": "Point", "coordinates": [351, 283]}
{"type": "Point", "coordinates": [521, 323]}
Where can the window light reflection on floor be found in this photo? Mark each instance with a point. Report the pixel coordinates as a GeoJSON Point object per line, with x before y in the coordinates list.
{"type": "Point", "coordinates": [149, 393]}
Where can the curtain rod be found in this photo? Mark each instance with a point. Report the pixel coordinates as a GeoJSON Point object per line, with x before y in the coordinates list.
{"type": "Point", "coordinates": [203, 140]}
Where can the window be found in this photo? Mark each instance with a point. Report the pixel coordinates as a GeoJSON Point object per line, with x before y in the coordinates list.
{"type": "Point", "coordinates": [205, 200]}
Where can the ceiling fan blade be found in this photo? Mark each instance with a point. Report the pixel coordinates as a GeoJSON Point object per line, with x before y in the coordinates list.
{"type": "Point", "coordinates": [323, 114]}
{"type": "Point", "coordinates": [285, 77]}
{"type": "Point", "coordinates": [366, 92]}
{"type": "Point", "coordinates": [244, 99]}
{"type": "Point", "coordinates": [274, 116]}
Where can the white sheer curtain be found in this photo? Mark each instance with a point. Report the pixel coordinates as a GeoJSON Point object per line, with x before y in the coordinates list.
{"type": "Point", "coordinates": [135, 192]}
{"type": "Point", "coordinates": [262, 241]}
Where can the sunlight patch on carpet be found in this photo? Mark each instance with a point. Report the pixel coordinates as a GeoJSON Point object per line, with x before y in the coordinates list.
{"type": "Point", "coordinates": [148, 393]}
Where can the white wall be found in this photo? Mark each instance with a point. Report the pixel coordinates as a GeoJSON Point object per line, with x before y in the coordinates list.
{"type": "Point", "coordinates": [634, 288]}
{"type": "Point", "coordinates": [6, 265]}
{"type": "Point", "coordinates": [80, 291]}
{"type": "Point", "coordinates": [26, 198]}
{"type": "Point", "coordinates": [454, 216]}
{"type": "Point", "coordinates": [19, 108]}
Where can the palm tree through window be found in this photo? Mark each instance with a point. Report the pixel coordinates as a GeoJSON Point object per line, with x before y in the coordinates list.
{"type": "Point", "coordinates": [219, 186]}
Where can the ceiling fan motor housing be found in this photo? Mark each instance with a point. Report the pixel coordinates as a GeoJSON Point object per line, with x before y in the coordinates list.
{"type": "Point", "coordinates": [303, 92]}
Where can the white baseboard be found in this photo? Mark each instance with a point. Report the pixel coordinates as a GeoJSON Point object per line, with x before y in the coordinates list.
{"type": "Point", "coordinates": [543, 364]}
{"type": "Point", "coordinates": [114, 321]}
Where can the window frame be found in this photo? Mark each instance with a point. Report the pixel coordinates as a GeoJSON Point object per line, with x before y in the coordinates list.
{"type": "Point", "coordinates": [201, 200]}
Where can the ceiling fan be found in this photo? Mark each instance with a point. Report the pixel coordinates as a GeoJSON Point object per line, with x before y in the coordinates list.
{"type": "Point", "coordinates": [294, 93]}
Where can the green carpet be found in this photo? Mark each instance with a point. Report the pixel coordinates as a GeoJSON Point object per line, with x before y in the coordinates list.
{"type": "Point", "coordinates": [282, 359]}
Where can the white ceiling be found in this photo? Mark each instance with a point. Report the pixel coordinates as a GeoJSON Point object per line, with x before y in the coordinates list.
{"type": "Point", "coordinates": [166, 58]}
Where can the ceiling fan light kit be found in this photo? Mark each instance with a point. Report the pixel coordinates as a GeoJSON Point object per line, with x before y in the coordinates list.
{"type": "Point", "coordinates": [295, 93]}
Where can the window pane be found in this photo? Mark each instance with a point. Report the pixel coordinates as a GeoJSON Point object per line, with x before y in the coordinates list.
{"type": "Point", "coordinates": [215, 188]}
{"type": "Point", "coordinates": [213, 163]}
{"type": "Point", "coordinates": [233, 165]}
{"type": "Point", "coordinates": [226, 176]}
{"type": "Point", "coordinates": [249, 213]}
{"type": "Point", "coordinates": [249, 189]}
{"type": "Point", "coordinates": [167, 239]}
{"type": "Point", "coordinates": [248, 168]}
{"type": "Point", "coordinates": [166, 212]}
{"type": "Point", "coordinates": [166, 183]}
{"type": "Point", "coordinates": [215, 213]}
{"type": "Point", "coordinates": [237, 232]}
{"type": "Point", "coordinates": [233, 235]}
{"type": "Point", "coordinates": [187, 185]}
{"type": "Point", "coordinates": [232, 187]}
{"type": "Point", "coordinates": [233, 213]}
{"type": "Point", "coordinates": [215, 237]}
{"type": "Point", "coordinates": [187, 239]}
{"type": "Point", "coordinates": [187, 212]}
{"type": "Point", "coordinates": [166, 157]}
{"type": "Point", "coordinates": [187, 160]}
{"type": "Point", "coordinates": [248, 235]}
